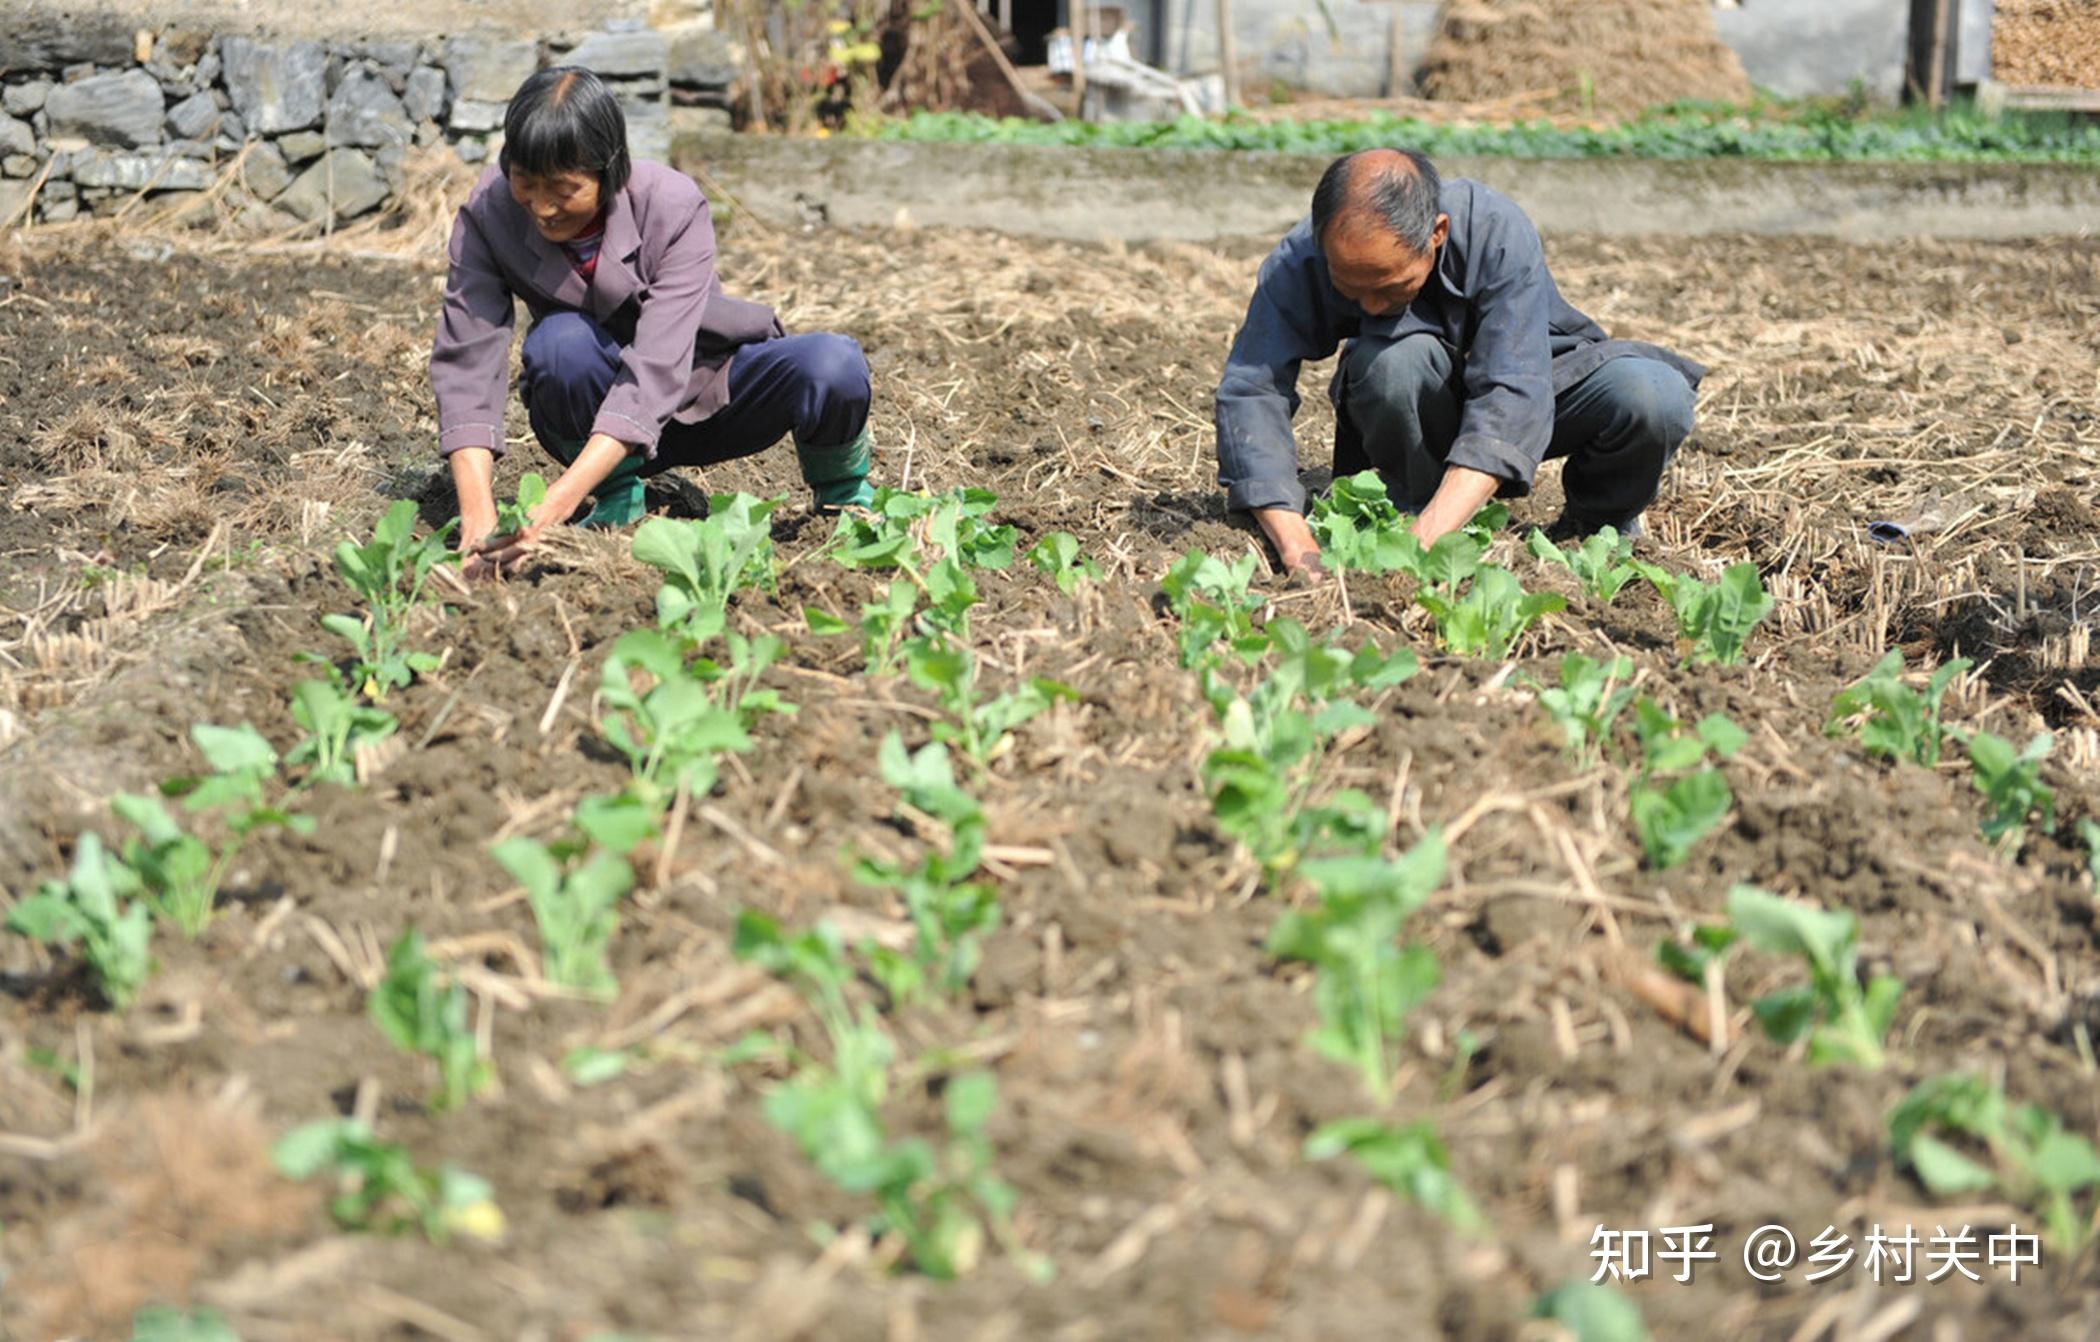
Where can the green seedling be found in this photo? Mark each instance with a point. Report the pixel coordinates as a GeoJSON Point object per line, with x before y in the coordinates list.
{"type": "Point", "coordinates": [180, 872]}
{"type": "Point", "coordinates": [1214, 603]}
{"type": "Point", "coordinates": [736, 682]}
{"type": "Point", "coordinates": [1599, 562]}
{"type": "Point", "coordinates": [979, 728]}
{"type": "Point", "coordinates": [1843, 1021]}
{"type": "Point", "coordinates": [2026, 1154]}
{"type": "Point", "coordinates": [1492, 615]}
{"type": "Point", "coordinates": [2089, 834]}
{"type": "Point", "coordinates": [2012, 784]}
{"type": "Point", "coordinates": [337, 728]}
{"type": "Point", "coordinates": [1057, 554]}
{"type": "Point", "coordinates": [241, 762]}
{"type": "Point", "coordinates": [1455, 557]}
{"type": "Point", "coordinates": [1590, 1311]}
{"type": "Point", "coordinates": [884, 625]}
{"type": "Point", "coordinates": [516, 515]}
{"type": "Point", "coordinates": [1893, 719]}
{"type": "Point", "coordinates": [423, 1012]}
{"type": "Point", "coordinates": [164, 1323]}
{"type": "Point", "coordinates": [950, 912]}
{"type": "Point", "coordinates": [939, 1206]}
{"type": "Point", "coordinates": [96, 906]}
{"type": "Point", "coordinates": [379, 1189]}
{"type": "Point", "coordinates": [1359, 528]}
{"type": "Point", "coordinates": [1709, 944]}
{"type": "Point", "coordinates": [618, 823]}
{"type": "Point", "coordinates": [1590, 697]}
{"type": "Point", "coordinates": [706, 561]}
{"type": "Point", "coordinates": [663, 719]}
{"type": "Point", "coordinates": [576, 906]}
{"type": "Point", "coordinates": [953, 525]}
{"type": "Point", "coordinates": [1714, 619]}
{"type": "Point", "coordinates": [388, 573]}
{"type": "Point", "coordinates": [1367, 981]}
{"type": "Point", "coordinates": [1672, 813]}
{"type": "Point", "coordinates": [1408, 1158]}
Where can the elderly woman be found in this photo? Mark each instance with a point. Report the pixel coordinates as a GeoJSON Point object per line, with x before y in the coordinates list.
{"type": "Point", "coordinates": [636, 360]}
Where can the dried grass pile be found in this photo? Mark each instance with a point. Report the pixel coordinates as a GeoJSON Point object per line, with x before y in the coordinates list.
{"type": "Point", "coordinates": [2046, 43]}
{"type": "Point", "coordinates": [1614, 57]}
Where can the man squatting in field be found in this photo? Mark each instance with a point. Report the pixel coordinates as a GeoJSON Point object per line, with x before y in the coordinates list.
{"type": "Point", "coordinates": [636, 360]}
{"type": "Point", "coordinates": [1464, 368]}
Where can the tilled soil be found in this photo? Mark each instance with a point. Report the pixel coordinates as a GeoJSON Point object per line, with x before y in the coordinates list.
{"type": "Point", "coordinates": [185, 435]}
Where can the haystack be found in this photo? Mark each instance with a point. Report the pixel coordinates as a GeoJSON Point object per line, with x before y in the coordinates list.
{"type": "Point", "coordinates": [1615, 57]}
{"type": "Point", "coordinates": [2047, 43]}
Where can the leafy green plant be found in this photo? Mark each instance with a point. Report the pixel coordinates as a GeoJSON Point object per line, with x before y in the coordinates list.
{"type": "Point", "coordinates": [1843, 1021]}
{"type": "Point", "coordinates": [619, 823]}
{"type": "Point", "coordinates": [1214, 603]}
{"type": "Point", "coordinates": [2028, 1156]}
{"type": "Point", "coordinates": [380, 1189]}
{"type": "Point", "coordinates": [2012, 784]}
{"type": "Point", "coordinates": [164, 1323]}
{"type": "Point", "coordinates": [1358, 527]}
{"type": "Point", "coordinates": [977, 727]}
{"type": "Point", "coordinates": [1455, 557]}
{"type": "Point", "coordinates": [1714, 619]}
{"type": "Point", "coordinates": [421, 1011]}
{"type": "Point", "coordinates": [180, 872]}
{"type": "Point", "coordinates": [953, 525]}
{"type": "Point", "coordinates": [1598, 561]}
{"type": "Point", "coordinates": [1892, 718]}
{"type": "Point", "coordinates": [1589, 698]}
{"type": "Point", "coordinates": [1708, 944]}
{"type": "Point", "coordinates": [940, 1206]}
{"type": "Point", "coordinates": [1409, 1159]}
{"type": "Point", "coordinates": [337, 727]}
{"type": "Point", "coordinates": [1366, 980]}
{"type": "Point", "coordinates": [1491, 616]}
{"type": "Point", "coordinates": [1057, 554]}
{"type": "Point", "coordinates": [1674, 809]}
{"type": "Point", "coordinates": [950, 912]}
{"type": "Point", "coordinates": [387, 573]}
{"type": "Point", "coordinates": [663, 719]}
{"type": "Point", "coordinates": [1590, 1311]}
{"type": "Point", "coordinates": [576, 906]}
{"type": "Point", "coordinates": [705, 561]}
{"type": "Point", "coordinates": [96, 906]}
{"type": "Point", "coordinates": [517, 515]}
{"type": "Point", "coordinates": [736, 681]}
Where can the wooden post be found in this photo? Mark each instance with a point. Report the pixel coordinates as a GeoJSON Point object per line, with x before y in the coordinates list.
{"type": "Point", "coordinates": [1228, 55]}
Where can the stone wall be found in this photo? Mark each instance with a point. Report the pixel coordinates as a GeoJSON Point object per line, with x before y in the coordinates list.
{"type": "Point", "coordinates": [295, 131]}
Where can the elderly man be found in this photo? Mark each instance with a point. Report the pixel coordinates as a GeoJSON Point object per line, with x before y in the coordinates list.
{"type": "Point", "coordinates": [1464, 368]}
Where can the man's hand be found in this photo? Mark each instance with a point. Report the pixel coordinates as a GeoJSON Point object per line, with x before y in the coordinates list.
{"type": "Point", "coordinates": [1461, 493]}
{"type": "Point", "coordinates": [1295, 545]}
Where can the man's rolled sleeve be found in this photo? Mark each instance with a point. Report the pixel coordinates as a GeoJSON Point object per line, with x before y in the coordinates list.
{"type": "Point", "coordinates": [1507, 423]}
{"type": "Point", "coordinates": [470, 359]}
{"type": "Point", "coordinates": [1258, 396]}
{"type": "Point", "coordinates": [657, 364]}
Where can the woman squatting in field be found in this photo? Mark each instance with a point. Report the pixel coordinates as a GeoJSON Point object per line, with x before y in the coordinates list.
{"type": "Point", "coordinates": [636, 360]}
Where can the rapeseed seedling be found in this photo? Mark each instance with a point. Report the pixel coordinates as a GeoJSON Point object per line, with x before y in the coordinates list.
{"type": "Point", "coordinates": [1590, 697]}
{"type": "Point", "coordinates": [380, 1189]}
{"type": "Point", "coordinates": [1057, 554]}
{"type": "Point", "coordinates": [1674, 809]}
{"type": "Point", "coordinates": [388, 573]}
{"type": "Point", "coordinates": [1492, 614]}
{"type": "Point", "coordinates": [97, 906]}
{"type": "Point", "coordinates": [1599, 561]}
{"type": "Point", "coordinates": [576, 906]}
{"type": "Point", "coordinates": [705, 562]}
{"type": "Point", "coordinates": [2012, 783]}
{"type": "Point", "coordinates": [1410, 1159]}
{"type": "Point", "coordinates": [1844, 1022]}
{"type": "Point", "coordinates": [950, 912]}
{"type": "Point", "coordinates": [1714, 620]}
{"type": "Point", "coordinates": [1893, 719]}
{"type": "Point", "coordinates": [421, 1011]}
{"type": "Point", "coordinates": [2023, 1153]}
{"type": "Point", "coordinates": [337, 727]}
{"type": "Point", "coordinates": [671, 729]}
{"type": "Point", "coordinates": [1214, 603]}
{"type": "Point", "coordinates": [977, 727]}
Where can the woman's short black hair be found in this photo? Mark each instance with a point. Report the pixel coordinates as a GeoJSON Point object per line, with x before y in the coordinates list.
{"type": "Point", "coordinates": [566, 120]}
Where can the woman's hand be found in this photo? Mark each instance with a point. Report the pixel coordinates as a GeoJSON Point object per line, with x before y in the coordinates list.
{"type": "Point", "coordinates": [505, 555]}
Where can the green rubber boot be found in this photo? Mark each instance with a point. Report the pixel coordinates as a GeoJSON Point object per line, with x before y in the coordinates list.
{"type": "Point", "coordinates": [617, 501]}
{"type": "Point", "coordinates": [838, 476]}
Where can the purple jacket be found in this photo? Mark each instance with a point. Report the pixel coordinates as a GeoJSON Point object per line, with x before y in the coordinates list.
{"type": "Point", "coordinates": [655, 291]}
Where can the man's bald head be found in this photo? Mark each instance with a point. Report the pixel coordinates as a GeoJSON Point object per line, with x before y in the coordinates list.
{"type": "Point", "coordinates": [1390, 191]}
